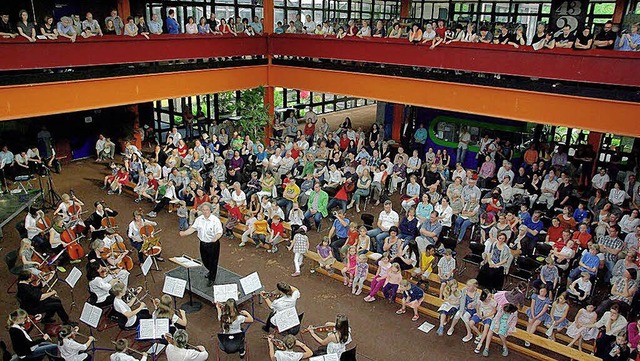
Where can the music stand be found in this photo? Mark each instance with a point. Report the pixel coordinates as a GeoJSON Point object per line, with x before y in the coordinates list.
{"type": "Point", "coordinates": [188, 263]}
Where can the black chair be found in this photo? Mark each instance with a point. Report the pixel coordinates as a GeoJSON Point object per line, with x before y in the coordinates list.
{"type": "Point", "coordinates": [53, 357]}
{"type": "Point", "coordinates": [349, 355]}
{"type": "Point", "coordinates": [367, 220]}
{"type": "Point", "coordinates": [474, 258]}
{"type": "Point", "coordinates": [449, 243]}
{"type": "Point", "coordinates": [11, 259]}
{"type": "Point", "coordinates": [524, 270]}
{"type": "Point", "coordinates": [542, 250]}
{"type": "Point", "coordinates": [230, 343]}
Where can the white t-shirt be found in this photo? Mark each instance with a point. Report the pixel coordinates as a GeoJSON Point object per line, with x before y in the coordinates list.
{"type": "Point", "coordinates": [100, 287]}
{"type": "Point", "coordinates": [235, 326]}
{"type": "Point", "coordinates": [240, 199]}
{"type": "Point", "coordinates": [463, 142]}
{"type": "Point", "coordinates": [445, 213]}
{"type": "Point", "coordinates": [284, 303]}
{"type": "Point", "coordinates": [30, 225]}
{"type": "Point", "coordinates": [122, 307]}
{"type": "Point", "coordinates": [121, 356]}
{"type": "Point", "coordinates": [209, 229]}
{"type": "Point", "coordinates": [288, 355]}
{"type": "Point", "coordinates": [181, 354]}
{"type": "Point", "coordinates": [70, 350]}
{"type": "Point", "coordinates": [388, 220]}
{"type": "Point", "coordinates": [584, 285]}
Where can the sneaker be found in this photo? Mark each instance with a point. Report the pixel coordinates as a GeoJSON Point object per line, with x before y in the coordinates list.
{"type": "Point", "coordinates": [151, 214]}
{"type": "Point", "coordinates": [450, 332]}
{"type": "Point", "coordinates": [295, 274]}
{"type": "Point", "coordinates": [440, 331]}
{"type": "Point", "coordinates": [109, 192]}
{"type": "Point", "coordinates": [358, 292]}
{"type": "Point", "coordinates": [505, 352]}
{"type": "Point", "coordinates": [476, 350]}
{"type": "Point", "coordinates": [313, 270]}
{"type": "Point", "coordinates": [274, 249]}
{"type": "Point", "coordinates": [242, 354]}
{"type": "Point", "coordinates": [485, 353]}
{"type": "Point", "coordinates": [241, 244]}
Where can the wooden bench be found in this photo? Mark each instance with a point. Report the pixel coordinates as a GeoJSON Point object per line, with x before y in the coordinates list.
{"type": "Point", "coordinates": [431, 303]}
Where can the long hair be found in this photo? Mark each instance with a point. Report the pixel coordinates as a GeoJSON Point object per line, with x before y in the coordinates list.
{"type": "Point", "coordinates": [413, 248]}
{"type": "Point", "coordinates": [165, 310]}
{"type": "Point", "coordinates": [228, 314]}
{"type": "Point", "coordinates": [65, 331]}
{"type": "Point", "coordinates": [342, 328]}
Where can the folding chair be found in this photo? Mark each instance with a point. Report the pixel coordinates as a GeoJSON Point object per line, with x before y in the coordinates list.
{"type": "Point", "coordinates": [525, 270]}
{"type": "Point", "coordinates": [10, 259]}
{"type": "Point", "coordinates": [231, 343]}
{"type": "Point", "coordinates": [349, 355]}
{"type": "Point", "coordinates": [474, 258]}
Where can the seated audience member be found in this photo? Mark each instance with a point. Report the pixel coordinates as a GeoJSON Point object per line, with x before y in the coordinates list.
{"type": "Point", "coordinates": [629, 41]}
{"type": "Point", "coordinates": [65, 29]}
{"type": "Point", "coordinates": [565, 39]}
{"type": "Point", "coordinates": [48, 29]}
{"type": "Point", "coordinates": [581, 287]}
{"type": "Point", "coordinates": [584, 39]}
{"type": "Point", "coordinates": [26, 28]}
{"type": "Point", "coordinates": [606, 37]}
{"type": "Point", "coordinates": [7, 29]}
{"type": "Point", "coordinates": [155, 24]}
{"type": "Point", "coordinates": [91, 25]}
{"type": "Point", "coordinates": [614, 324]}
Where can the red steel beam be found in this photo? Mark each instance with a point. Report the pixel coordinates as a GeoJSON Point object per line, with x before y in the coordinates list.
{"type": "Point", "coordinates": [593, 66]}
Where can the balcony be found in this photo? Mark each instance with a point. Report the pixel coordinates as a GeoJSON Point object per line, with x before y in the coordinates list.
{"type": "Point", "coordinates": [111, 50]}
{"type": "Point", "coordinates": [592, 66]}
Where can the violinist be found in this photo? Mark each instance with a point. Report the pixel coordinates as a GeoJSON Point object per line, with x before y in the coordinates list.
{"type": "Point", "coordinates": [177, 349]}
{"type": "Point", "coordinates": [164, 309]}
{"type": "Point", "coordinates": [70, 349]}
{"type": "Point", "coordinates": [34, 300]}
{"type": "Point", "coordinates": [24, 346]}
{"type": "Point", "coordinates": [121, 348]}
{"type": "Point", "coordinates": [34, 233]}
{"type": "Point", "coordinates": [134, 232]}
{"type": "Point", "coordinates": [231, 320]}
{"type": "Point", "coordinates": [95, 220]}
{"type": "Point", "coordinates": [130, 317]}
{"type": "Point", "coordinates": [288, 300]}
{"type": "Point", "coordinates": [288, 354]}
{"type": "Point", "coordinates": [101, 280]}
{"type": "Point", "coordinates": [337, 340]}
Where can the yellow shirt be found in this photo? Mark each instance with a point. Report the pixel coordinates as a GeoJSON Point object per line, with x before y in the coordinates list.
{"type": "Point", "coordinates": [261, 227]}
{"type": "Point", "coordinates": [426, 260]}
{"type": "Point", "coordinates": [291, 191]}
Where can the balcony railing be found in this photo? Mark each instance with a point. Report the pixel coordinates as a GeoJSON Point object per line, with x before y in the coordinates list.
{"type": "Point", "coordinates": [591, 66]}
{"type": "Point", "coordinates": [18, 54]}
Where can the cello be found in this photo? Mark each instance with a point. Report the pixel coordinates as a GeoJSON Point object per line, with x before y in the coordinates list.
{"type": "Point", "coordinates": [75, 210]}
{"type": "Point", "coordinates": [43, 222]}
{"type": "Point", "coordinates": [126, 262]}
{"type": "Point", "coordinates": [74, 249]}
{"type": "Point", "coordinates": [151, 245]}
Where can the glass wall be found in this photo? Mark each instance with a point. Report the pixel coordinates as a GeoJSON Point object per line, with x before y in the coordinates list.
{"type": "Point", "coordinates": [198, 8]}
{"type": "Point", "coordinates": [336, 10]}
{"type": "Point", "coordinates": [321, 103]}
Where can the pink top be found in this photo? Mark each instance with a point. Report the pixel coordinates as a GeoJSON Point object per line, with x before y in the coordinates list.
{"type": "Point", "coordinates": [352, 263]}
{"type": "Point", "coordinates": [633, 334]}
{"type": "Point", "coordinates": [384, 268]}
{"type": "Point", "coordinates": [393, 278]}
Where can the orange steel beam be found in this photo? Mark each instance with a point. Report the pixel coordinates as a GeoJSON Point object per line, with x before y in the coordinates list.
{"type": "Point", "coordinates": [32, 100]}
{"type": "Point", "coordinates": [585, 113]}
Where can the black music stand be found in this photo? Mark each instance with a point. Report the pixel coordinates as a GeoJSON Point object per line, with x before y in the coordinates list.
{"type": "Point", "coordinates": [191, 306]}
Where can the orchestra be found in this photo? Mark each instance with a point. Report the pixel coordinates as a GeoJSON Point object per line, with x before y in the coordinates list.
{"type": "Point", "coordinates": [52, 243]}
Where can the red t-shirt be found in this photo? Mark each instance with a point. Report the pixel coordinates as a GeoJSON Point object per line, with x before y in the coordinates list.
{"type": "Point", "coordinates": [153, 183]}
{"type": "Point", "coordinates": [555, 233]}
{"type": "Point", "coordinates": [581, 238]}
{"type": "Point", "coordinates": [344, 143]}
{"type": "Point", "coordinates": [441, 31]}
{"type": "Point", "coordinates": [278, 229]}
{"type": "Point", "coordinates": [352, 238]}
{"type": "Point", "coordinates": [309, 129]}
{"type": "Point", "coordinates": [199, 200]}
{"type": "Point", "coordinates": [295, 153]}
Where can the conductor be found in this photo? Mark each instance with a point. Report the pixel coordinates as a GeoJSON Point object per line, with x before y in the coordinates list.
{"type": "Point", "coordinates": [209, 231]}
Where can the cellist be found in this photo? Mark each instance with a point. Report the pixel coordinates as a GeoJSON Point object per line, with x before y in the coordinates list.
{"type": "Point", "coordinates": [56, 244]}
{"type": "Point", "coordinates": [34, 233]}
{"type": "Point", "coordinates": [134, 232]}
{"type": "Point", "coordinates": [94, 221]}
{"type": "Point", "coordinates": [69, 209]}
{"type": "Point", "coordinates": [114, 251]}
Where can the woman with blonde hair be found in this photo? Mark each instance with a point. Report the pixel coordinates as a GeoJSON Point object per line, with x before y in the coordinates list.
{"type": "Point", "coordinates": [164, 309]}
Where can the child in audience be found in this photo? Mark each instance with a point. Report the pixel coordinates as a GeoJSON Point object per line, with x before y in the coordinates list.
{"type": "Point", "coordinates": [581, 287]}
{"type": "Point", "coordinates": [577, 330]}
{"type": "Point", "coordinates": [299, 246]}
{"type": "Point", "coordinates": [381, 275]}
{"type": "Point", "coordinates": [349, 269]}
{"type": "Point", "coordinates": [446, 269]}
{"type": "Point", "coordinates": [558, 320]}
{"type": "Point", "coordinates": [352, 235]}
{"type": "Point", "coordinates": [426, 264]}
{"type": "Point", "coordinates": [412, 296]}
{"type": "Point", "coordinates": [260, 230]}
{"type": "Point", "coordinates": [233, 217]}
{"type": "Point", "coordinates": [276, 233]}
{"type": "Point", "coordinates": [250, 220]}
{"type": "Point", "coordinates": [390, 289]}
{"type": "Point", "coordinates": [485, 311]}
{"type": "Point", "coordinates": [363, 241]}
{"type": "Point", "coordinates": [449, 308]}
{"type": "Point", "coordinates": [360, 275]}
{"type": "Point", "coordinates": [503, 325]}
{"type": "Point", "coordinates": [183, 216]}
{"type": "Point", "coordinates": [538, 312]}
{"type": "Point", "coordinates": [326, 255]}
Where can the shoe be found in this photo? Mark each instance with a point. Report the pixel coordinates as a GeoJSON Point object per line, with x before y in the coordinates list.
{"type": "Point", "coordinates": [159, 259]}
{"type": "Point", "coordinates": [440, 331]}
{"type": "Point", "coordinates": [210, 283]}
{"type": "Point", "coordinates": [450, 332]}
{"type": "Point", "coordinates": [242, 354]}
{"type": "Point", "coordinates": [527, 343]}
{"type": "Point", "coordinates": [313, 270]}
{"type": "Point", "coordinates": [485, 353]}
{"type": "Point", "coordinates": [350, 205]}
{"type": "Point", "coordinates": [295, 274]}
{"type": "Point", "coordinates": [241, 244]}
{"type": "Point", "coordinates": [274, 249]}
{"type": "Point", "coordinates": [137, 200]}
{"type": "Point", "coordinates": [369, 299]}
{"type": "Point", "coordinates": [415, 318]}
{"type": "Point", "coordinates": [357, 209]}
{"type": "Point", "coordinates": [477, 350]}
{"type": "Point", "coordinates": [358, 292]}
{"type": "Point", "coordinates": [505, 352]}
{"type": "Point", "coordinates": [151, 214]}
{"type": "Point", "coordinates": [477, 340]}
{"type": "Point", "coordinates": [467, 338]}
{"type": "Point", "coordinates": [109, 192]}
{"type": "Point", "coordinates": [61, 269]}
{"type": "Point", "coordinates": [353, 292]}
{"type": "Point", "coordinates": [346, 282]}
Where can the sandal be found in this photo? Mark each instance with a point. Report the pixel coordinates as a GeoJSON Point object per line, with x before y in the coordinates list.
{"type": "Point", "coordinates": [400, 312]}
{"type": "Point", "coordinates": [415, 318]}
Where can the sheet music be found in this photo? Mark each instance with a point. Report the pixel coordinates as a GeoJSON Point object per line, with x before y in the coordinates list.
{"type": "Point", "coordinates": [426, 327]}
{"type": "Point", "coordinates": [153, 328]}
{"type": "Point", "coordinates": [146, 266]}
{"type": "Point", "coordinates": [91, 315]}
{"type": "Point", "coordinates": [222, 293]}
{"type": "Point", "coordinates": [73, 277]}
{"type": "Point", "coordinates": [185, 262]}
{"type": "Point", "coordinates": [287, 319]}
{"type": "Point", "coordinates": [251, 283]}
{"type": "Point", "coordinates": [155, 349]}
{"type": "Point", "coordinates": [327, 357]}
{"type": "Point", "coordinates": [174, 286]}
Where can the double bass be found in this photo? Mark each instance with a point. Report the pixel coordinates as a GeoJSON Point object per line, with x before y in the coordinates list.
{"type": "Point", "coordinates": [151, 245]}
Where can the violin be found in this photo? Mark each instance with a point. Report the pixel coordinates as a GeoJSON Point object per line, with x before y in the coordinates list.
{"type": "Point", "coordinates": [323, 328]}
{"type": "Point", "coordinates": [277, 343]}
{"type": "Point", "coordinates": [151, 245]}
{"type": "Point", "coordinates": [73, 248]}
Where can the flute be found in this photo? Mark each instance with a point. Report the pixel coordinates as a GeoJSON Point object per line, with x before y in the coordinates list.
{"type": "Point", "coordinates": [132, 350]}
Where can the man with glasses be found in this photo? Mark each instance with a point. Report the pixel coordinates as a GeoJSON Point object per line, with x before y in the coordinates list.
{"type": "Point", "coordinates": [606, 37]}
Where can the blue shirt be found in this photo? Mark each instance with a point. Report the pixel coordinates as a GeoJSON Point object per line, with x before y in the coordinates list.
{"type": "Point", "coordinates": [590, 261]}
{"type": "Point", "coordinates": [435, 228]}
{"type": "Point", "coordinates": [414, 293]}
{"type": "Point", "coordinates": [7, 156]}
{"type": "Point", "coordinates": [420, 136]}
{"type": "Point", "coordinates": [66, 30]}
{"type": "Point", "coordinates": [341, 231]}
{"type": "Point", "coordinates": [172, 26]}
{"type": "Point", "coordinates": [257, 27]}
{"type": "Point", "coordinates": [579, 215]}
{"type": "Point", "coordinates": [534, 226]}
{"type": "Point", "coordinates": [155, 27]}
{"type": "Point", "coordinates": [635, 38]}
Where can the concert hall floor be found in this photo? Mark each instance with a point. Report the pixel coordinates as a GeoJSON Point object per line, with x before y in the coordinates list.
{"type": "Point", "coordinates": [379, 333]}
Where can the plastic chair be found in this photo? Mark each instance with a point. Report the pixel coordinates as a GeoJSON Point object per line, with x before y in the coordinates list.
{"type": "Point", "coordinates": [231, 343]}
{"type": "Point", "coordinates": [11, 259]}
{"type": "Point", "coordinates": [349, 355]}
